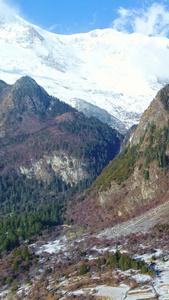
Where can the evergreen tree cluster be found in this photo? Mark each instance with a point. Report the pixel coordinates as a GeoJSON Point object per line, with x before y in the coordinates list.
{"type": "Point", "coordinates": [29, 206]}
{"type": "Point", "coordinates": [124, 262]}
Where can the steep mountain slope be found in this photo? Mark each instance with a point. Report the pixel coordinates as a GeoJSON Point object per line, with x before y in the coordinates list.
{"type": "Point", "coordinates": [138, 178]}
{"type": "Point", "coordinates": [116, 72]}
{"type": "Point", "coordinates": [28, 115]}
{"type": "Point", "coordinates": [48, 153]}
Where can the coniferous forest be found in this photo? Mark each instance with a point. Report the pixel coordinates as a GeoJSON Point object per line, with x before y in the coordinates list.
{"type": "Point", "coordinates": [35, 128]}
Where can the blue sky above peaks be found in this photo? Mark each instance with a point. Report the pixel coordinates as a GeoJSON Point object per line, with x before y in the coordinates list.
{"type": "Point", "coordinates": [78, 16]}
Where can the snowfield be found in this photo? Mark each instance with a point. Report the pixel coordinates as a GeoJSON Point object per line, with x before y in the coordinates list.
{"type": "Point", "coordinates": [113, 293]}
{"type": "Point", "coordinates": [120, 73]}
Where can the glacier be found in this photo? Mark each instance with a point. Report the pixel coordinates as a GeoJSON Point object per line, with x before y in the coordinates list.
{"type": "Point", "coordinates": [104, 70]}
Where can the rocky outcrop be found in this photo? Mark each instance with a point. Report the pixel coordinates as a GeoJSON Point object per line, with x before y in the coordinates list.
{"type": "Point", "coordinates": [70, 169]}
{"type": "Point", "coordinates": [155, 114]}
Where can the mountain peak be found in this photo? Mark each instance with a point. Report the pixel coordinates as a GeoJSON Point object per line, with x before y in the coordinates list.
{"type": "Point", "coordinates": [26, 80]}
{"type": "Point", "coordinates": [73, 67]}
{"type": "Point", "coordinates": [27, 85]}
{"type": "Point", "coordinates": [28, 112]}
{"type": "Point", "coordinates": [26, 100]}
{"type": "Point", "coordinates": [7, 14]}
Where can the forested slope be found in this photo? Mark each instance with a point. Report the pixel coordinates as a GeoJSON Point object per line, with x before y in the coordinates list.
{"type": "Point", "coordinates": [49, 153]}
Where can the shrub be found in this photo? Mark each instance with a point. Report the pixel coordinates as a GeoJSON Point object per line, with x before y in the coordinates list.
{"type": "Point", "coordinates": [83, 269]}
{"type": "Point", "coordinates": [146, 174]}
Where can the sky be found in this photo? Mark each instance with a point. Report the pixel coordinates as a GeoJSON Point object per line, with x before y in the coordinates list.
{"type": "Point", "coordinates": [80, 16]}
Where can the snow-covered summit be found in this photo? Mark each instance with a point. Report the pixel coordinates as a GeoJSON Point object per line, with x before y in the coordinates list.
{"type": "Point", "coordinates": [120, 73]}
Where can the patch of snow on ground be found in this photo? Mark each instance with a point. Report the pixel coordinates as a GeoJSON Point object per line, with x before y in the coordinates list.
{"type": "Point", "coordinates": [100, 250]}
{"type": "Point", "coordinates": [78, 293]}
{"type": "Point", "coordinates": [4, 293]}
{"type": "Point", "coordinates": [158, 252]}
{"type": "Point", "coordinates": [141, 277]}
{"type": "Point", "coordinates": [25, 289]}
{"type": "Point", "coordinates": [161, 282]}
{"type": "Point", "coordinates": [53, 246]}
{"type": "Point", "coordinates": [114, 293]}
{"type": "Point", "coordinates": [141, 293]}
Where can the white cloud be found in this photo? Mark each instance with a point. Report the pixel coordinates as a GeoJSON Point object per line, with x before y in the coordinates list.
{"type": "Point", "coordinates": [151, 21]}
{"type": "Point", "coordinates": [94, 19]}
{"type": "Point", "coordinates": [54, 27]}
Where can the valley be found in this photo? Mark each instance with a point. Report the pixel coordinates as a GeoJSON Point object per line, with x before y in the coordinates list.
{"type": "Point", "coordinates": [78, 219]}
{"type": "Point", "coordinates": [84, 164]}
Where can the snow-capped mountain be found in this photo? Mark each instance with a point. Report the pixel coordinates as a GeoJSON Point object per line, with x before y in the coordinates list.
{"type": "Point", "coordinates": [119, 73]}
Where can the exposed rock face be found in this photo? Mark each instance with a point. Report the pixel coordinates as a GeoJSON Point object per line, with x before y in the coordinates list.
{"type": "Point", "coordinates": [70, 169]}
{"type": "Point", "coordinates": [154, 114]}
